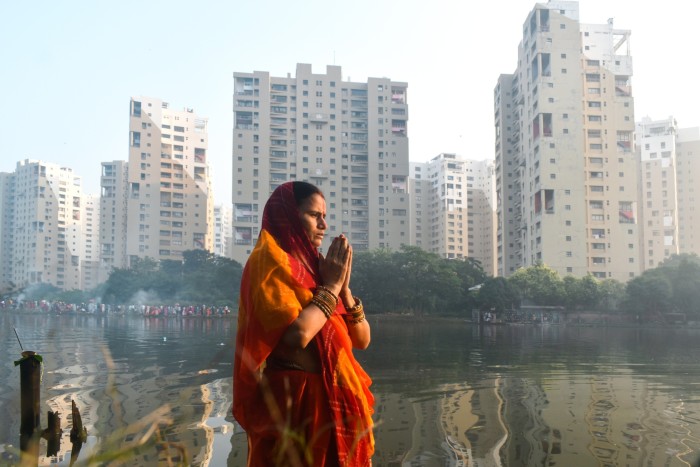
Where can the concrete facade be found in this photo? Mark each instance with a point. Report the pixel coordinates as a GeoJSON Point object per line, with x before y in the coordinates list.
{"type": "Point", "coordinates": [165, 205]}
{"type": "Point", "coordinates": [658, 213]}
{"type": "Point", "coordinates": [348, 138]}
{"type": "Point", "coordinates": [43, 226]}
{"type": "Point", "coordinates": [688, 183]}
{"type": "Point", "coordinates": [453, 208]}
{"type": "Point", "coordinates": [223, 239]}
{"type": "Point", "coordinates": [565, 167]}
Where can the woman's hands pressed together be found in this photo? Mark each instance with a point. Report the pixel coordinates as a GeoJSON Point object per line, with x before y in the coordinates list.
{"type": "Point", "coordinates": [335, 267]}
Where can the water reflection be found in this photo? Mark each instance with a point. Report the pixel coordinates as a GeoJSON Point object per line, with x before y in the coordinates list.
{"type": "Point", "coordinates": [448, 393]}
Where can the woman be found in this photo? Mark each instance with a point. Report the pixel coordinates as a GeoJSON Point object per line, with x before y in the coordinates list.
{"type": "Point", "coordinates": [298, 391]}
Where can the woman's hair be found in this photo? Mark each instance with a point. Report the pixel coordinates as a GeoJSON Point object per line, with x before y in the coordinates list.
{"type": "Point", "coordinates": [303, 190]}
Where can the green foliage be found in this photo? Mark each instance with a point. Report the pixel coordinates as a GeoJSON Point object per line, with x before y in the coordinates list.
{"type": "Point", "coordinates": [539, 284]}
{"type": "Point", "coordinates": [415, 281]}
{"type": "Point", "coordinates": [497, 294]}
{"type": "Point", "coordinates": [201, 277]}
{"type": "Point", "coordinates": [674, 286]}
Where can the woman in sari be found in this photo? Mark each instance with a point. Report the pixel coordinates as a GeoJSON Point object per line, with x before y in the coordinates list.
{"type": "Point", "coordinates": [298, 391]}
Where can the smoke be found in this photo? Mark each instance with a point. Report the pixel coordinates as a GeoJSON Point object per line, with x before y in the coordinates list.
{"type": "Point", "coordinates": [145, 297]}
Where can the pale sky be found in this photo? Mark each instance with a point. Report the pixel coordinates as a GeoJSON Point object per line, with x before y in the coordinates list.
{"type": "Point", "coordinates": [68, 68]}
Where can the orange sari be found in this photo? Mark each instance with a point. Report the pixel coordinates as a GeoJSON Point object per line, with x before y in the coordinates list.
{"type": "Point", "coordinates": [293, 417]}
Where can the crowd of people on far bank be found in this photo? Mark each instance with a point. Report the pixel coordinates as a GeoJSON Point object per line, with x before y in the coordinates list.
{"type": "Point", "coordinates": [59, 307]}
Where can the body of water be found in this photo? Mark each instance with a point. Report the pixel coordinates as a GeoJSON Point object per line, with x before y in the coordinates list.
{"type": "Point", "coordinates": [448, 393]}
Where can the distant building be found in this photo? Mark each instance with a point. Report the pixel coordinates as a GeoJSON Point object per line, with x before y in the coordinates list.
{"type": "Point", "coordinates": [164, 206]}
{"type": "Point", "coordinates": [113, 219]}
{"type": "Point", "coordinates": [43, 227]}
{"type": "Point", "coordinates": [348, 138]}
{"type": "Point", "coordinates": [223, 240]}
{"type": "Point", "coordinates": [566, 172]}
{"type": "Point", "coordinates": [7, 213]}
{"type": "Point", "coordinates": [658, 212]}
{"type": "Point", "coordinates": [453, 208]}
{"type": "Point", "coordinates": [688, 183]}
{"type": "Point", "coordinates": [90, 263]}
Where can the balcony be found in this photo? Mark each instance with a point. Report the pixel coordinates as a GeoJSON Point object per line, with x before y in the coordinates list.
{"type": "Point", "coordinates": [318, 118]}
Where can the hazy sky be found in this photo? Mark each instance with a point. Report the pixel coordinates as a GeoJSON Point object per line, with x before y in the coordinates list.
{"type": "Point", "coordinates": [68, 68]}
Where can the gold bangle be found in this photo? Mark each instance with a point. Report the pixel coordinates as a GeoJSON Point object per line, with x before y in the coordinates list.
{"type": "Point", "coordinates": [323, 306]}
{"type": "Point", "coordinates": [325, 300]}
{"type": "Point", "coordinates": [358, 305]}
{"type": "Point", "coordinates": [357, 320]}
{"type": "Point", "coordinates": [324, 288]}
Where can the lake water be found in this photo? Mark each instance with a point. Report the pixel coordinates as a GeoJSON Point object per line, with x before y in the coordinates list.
{"type": "Point", "coordinates": [448, 393]}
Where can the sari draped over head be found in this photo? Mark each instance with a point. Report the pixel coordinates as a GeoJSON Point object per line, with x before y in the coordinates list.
{"type": "Point", "coordinates": [278, 281]}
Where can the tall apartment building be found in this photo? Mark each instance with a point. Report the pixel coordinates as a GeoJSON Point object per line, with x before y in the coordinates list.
{"type": "Point", "coordinates": [7, 212]}
{"type": "Point", "coordinates": [223, 239]}
{"type": "Point", "coordinates": [90, 267]}
{"type": "Point", "coordinates": [565, 167]}
{"type": "Point", "coordinates": [688, 188]}
{"type": "Point", "coordinates": [658, 205]}
{"type": "Point", "coordinates": [453, 208]}
{"type": "Point", "coordinates": [113, 204]}
{"type": "Point", "coordinates": [348, 138]}
{"type": "Point", "coordinates": [167, 192]}
{"type": "Point", "coordinates": [43, 238]}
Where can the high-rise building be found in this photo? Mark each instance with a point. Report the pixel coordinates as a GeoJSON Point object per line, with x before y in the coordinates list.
{"type": "Point", "coordinates": [566, 172]}
{"type": "Point", "coordinates": [453, 208]}
{"type": "Point", "coordinates": [658, 205]}
{"type": "Point", "coordinates": [223, 240]}
{"type": "Point", "coordinates": [113, 226]}
{"type": "Point", "coordinates": [688, 183]}
{"type": "Point", "coordinates": [167, 193]}
{"type": "Point", "coordinates": [90, 268]}
{"type": "Point", "coordinates": [348, 138]}
{"type": "Point", "coordinates": [43, 229]}
{"type": "Point", "coordinates": [7, 212]}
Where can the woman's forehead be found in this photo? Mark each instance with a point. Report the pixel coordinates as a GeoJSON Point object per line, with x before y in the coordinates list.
{"type": "Point", "coordinates": [315, 202]}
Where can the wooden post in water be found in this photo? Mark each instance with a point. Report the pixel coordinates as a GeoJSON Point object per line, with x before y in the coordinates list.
{"type": "Point", "coordinates": [30, 381]}
{"type": "Point", "coordinates": [53, 434]}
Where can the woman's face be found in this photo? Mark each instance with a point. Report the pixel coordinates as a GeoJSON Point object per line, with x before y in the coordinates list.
{"type": "Point", "coordinates": [312, 212]}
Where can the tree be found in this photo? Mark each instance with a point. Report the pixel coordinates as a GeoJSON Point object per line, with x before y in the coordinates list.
{"type": "Point", "coordinates": [650, 293]}
{"type": "Point", "coordinates": [581, 293]}
{"type": "Point", "coordinates": [539, 284]}
{"type": "Point", "coordinates": [686, 285]}
{"type": "Point", "coordinates": [498, 294]}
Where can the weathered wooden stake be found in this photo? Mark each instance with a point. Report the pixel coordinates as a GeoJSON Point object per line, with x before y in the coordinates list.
{"type": "Point", "coordinates": [30, 381]}
{"type": "Point", "coordinates": [52, 434]}
{"type": "Point", "coordinates": [78, 433]}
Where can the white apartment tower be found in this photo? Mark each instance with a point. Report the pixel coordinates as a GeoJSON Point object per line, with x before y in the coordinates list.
{"type": "Point", "coordinates": [43, 210]}
{"type": "Point", "coordinates": [348, 138]}
{"type": "Point", "coordinates": [90, 267]}
{"type": "Point", "coordinates": [453, 208]}
{"type": "Point", "coordinates": [113, 226]}
{"type": "Point", "coordinates": [223, 240]}
{"type": "Point", "coordinates": [169, 201]}
{"type": "Point", "coordinates": [688, 183]}
{"type": "Point", "coordinates": [7, 212]}
{"type": "Point", "coordinates": [658, 208]}
{"type": "Point", "coordinates": [566, 172]}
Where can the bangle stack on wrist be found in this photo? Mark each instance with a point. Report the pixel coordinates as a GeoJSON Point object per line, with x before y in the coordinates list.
{"type": "Point", "coordinates": [356, 314]}
{"type": "Point", "coordinates": [325, 300]}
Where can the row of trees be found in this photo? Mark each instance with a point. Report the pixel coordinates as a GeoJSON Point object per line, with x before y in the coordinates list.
{"type": "Point", "coordinates": [410, 280]}
{"type": "Point", "coordinates": [200, 278]}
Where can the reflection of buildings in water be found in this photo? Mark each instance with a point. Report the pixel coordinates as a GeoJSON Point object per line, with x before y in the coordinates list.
{"type": "Point", "coordinates": [114, 400]}
{"type": "Point", "coordinates": [557, 421]}
{"type": "Point", "coordinates": [217, 399]}
{"type": "Point", "coordinates": [597, 420]}
{"type": "Point", "coordinates": [454, 425]}
{"type": "Point", "coordinates": [529, 438]}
